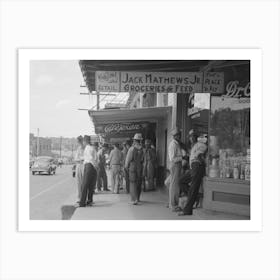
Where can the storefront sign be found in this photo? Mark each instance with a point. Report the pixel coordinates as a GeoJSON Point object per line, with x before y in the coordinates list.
{"type": "Point", "coordinates": [180, 82]}
{"type": "Point", "coordinates": [107, 81]}
{"type": "Point", "coordinates": [113, 128]}
{"type": "Point", "coordinates": [213, 82]}
{"type": "Point", "coordinates": [234, 90]}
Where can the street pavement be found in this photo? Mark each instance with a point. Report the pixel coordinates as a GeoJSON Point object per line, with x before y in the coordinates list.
{"type": "Point", "coordinates": [52, 197]}
{"type": "Point", "coordinates": [49, 192]}
{"type": "Point", "coordinates": [109, 206]}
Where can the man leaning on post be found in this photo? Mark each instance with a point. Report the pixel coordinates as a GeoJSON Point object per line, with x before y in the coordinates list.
{"type": "Point", "coordinates": [90, 173]}
{"type": "Point", "coordinates": [175, 157]}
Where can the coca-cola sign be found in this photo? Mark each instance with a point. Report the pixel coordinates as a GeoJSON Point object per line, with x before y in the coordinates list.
{"type": "Point", "coordinates": [113, 128]}
{"type": "Point", "coordinates": [234, 90]}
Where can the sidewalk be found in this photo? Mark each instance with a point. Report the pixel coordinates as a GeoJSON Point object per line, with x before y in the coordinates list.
{"type": "Point", "coordinates": [108, 206]}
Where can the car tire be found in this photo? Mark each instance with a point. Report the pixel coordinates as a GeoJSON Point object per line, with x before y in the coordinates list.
{"type": "Point", "coordinates": [33, 172]}
{"type": "Point", "coordinates": [49, 172]}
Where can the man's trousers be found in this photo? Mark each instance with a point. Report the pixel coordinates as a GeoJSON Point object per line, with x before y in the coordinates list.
{"type": "Point", "coordinates": [174, 189]}
{"type": "Point", "coordinates": [197, 173]}
{"type": "Point", "coordinates": [102, 178]}
{"type": "Point", "coordinates": [89, 181]}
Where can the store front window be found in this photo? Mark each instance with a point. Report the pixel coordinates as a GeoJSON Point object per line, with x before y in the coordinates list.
{"type": "Point", "coordinates": [229, 138]}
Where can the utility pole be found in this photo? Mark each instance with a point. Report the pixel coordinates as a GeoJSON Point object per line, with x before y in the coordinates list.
{"type": "Point", "coordinates": [97, 100]}
{"type": "Point", "coordinates": [72, 150]}
{"type": "Point", "coordinates": [60, 146]}
{"type": "Point", "coordinates": [38, 143]}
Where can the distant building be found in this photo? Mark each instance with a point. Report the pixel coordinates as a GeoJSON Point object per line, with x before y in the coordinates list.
{"type": "Point", "coordinates": [45, 146]}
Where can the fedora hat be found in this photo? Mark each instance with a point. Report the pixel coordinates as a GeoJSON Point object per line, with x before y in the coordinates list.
{"type": "Point", "coordinates": [138, 136]}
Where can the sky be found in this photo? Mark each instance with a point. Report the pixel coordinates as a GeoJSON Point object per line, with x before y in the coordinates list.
{"type": "Point", "coordinates": [55, 99]}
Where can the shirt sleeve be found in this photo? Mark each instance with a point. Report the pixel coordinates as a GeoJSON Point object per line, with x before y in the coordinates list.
{"type": "Point", "coordinates": [129, 157]}
{"type": "Point", "coordinates": [76, 158]}
{"type": "Point", "coordinates": [173, 153]}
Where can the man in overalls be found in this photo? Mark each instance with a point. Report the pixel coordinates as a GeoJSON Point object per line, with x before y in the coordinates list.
{"type": "Point", "coordinates": [101, 174]}
{"type": "Point", "coordinates": [149, 165]}
{"type": "Point", "coordinates": [134, 165]}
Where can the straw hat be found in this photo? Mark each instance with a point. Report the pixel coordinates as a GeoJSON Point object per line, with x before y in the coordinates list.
{"type": "Point", "coordinates": [138, 136]}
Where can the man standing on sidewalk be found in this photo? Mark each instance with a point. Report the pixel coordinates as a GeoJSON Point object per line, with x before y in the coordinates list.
{"type": "Point", "coordinates": [197, 172]}
{"type": "Point", "coordinates": [126, 147]}
{"type": "Point", "coordinates": [134, 165]}
{"type": "Point", "coordinates": [149, 169]}
{"type": "Point", "coordinates": [116, 160]}
{"type": "Point", "coordinates": [79, 159]}
{"type": "Point", "coordinates": [90, 173]}
{"type": "Point", "coordinates": [176, 157]}
{"type": "Point", "coordinates": [101, 173]}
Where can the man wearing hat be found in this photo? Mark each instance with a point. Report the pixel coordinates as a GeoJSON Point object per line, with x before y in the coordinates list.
{"type": "Point", "coordinates": [90, 173]}
{"type": "Point", "coordinates": [149, 167]}
{"type": "Point", "coordinates": [79, 159]}
{"type": "Point", "coordinates": [194, 176]}
{"type": "Point", "coordinates": [116, 161]}
{"type": "Point", "coordinates": [126, 146]}
{"type": "Point", "coordinates": [175, 157]}
{"type": "Point", "coordinates": [134, 165]}
{"type": "Point", "coordinates": [101, 172]}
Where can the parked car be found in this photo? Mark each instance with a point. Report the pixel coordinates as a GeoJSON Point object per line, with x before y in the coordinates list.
{"type": "Point", "coordinates": [74, 170]}
{"type": "Point", "coordinates": [43, 165]}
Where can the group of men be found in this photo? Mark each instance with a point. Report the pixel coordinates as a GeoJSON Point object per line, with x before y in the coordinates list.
{"type": "Point", "coordinates": [186, 180]}
{"type": "Point", "coordinates": [137, 163]}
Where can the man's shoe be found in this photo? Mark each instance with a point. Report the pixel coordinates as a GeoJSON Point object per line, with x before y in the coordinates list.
{"type": "Point", "coordinates": [182, 213]}
{"type": "Point", "coordinates": [176, 209]}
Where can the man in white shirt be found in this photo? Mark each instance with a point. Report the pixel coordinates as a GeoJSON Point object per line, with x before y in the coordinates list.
{"type": "Point", "coordinates": [116, 161]}
{"type": "Point", "coordinates": [90, 173]}
{"type": "Point", "coordinates": [195, 175]}
{"type": "Point", "coordinates": [79, 158]}
{"type": "Point", "coordinates": [101, 172]}
{"type": "Point", "coordinates": [175, 157]}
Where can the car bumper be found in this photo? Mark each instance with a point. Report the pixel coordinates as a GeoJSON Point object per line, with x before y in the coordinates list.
{"type": "Point", "coordinates": [39, 170]}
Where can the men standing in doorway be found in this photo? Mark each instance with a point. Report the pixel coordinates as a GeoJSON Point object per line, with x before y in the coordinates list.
{"type": "Point", "coordinates": [90, 173]}
{"type": "Point", "coordinates": [116, 160]}
{"type": "Point", "coordinates": [101, 173]}
{"type": "Point", "coordinates": [149, 169]}
{"type": "Point", "coordinates": [134, 165]}
{"type": "Point", "coordinates": [175, 157]}
{"type": "Point", "coordinates": [79, 159]}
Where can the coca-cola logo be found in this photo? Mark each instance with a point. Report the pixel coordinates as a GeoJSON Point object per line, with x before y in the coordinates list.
{"type": "Point", "coordinates": [234, 90]}
{"type": "Point", "coordinates": [119, 127]}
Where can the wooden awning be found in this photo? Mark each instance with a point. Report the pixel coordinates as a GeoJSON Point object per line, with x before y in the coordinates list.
{"type": "Point", "coordinates": [128, 115]}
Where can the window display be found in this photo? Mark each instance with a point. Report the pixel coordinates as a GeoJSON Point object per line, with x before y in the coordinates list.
{"type": "Point", "coordinates": [229, 138]}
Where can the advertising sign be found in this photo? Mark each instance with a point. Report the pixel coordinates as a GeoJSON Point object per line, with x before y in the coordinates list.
{"type": "Point", "coordinates": [107, 81]}
{"type": "Point", "coordinates": [213, 82]}
{"type": "Point", "coordinates": [180, 82]}
{"type": "Point", "coordinates": [115, 128]}
{"type": "Point", "coordinates": [165, 82]}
